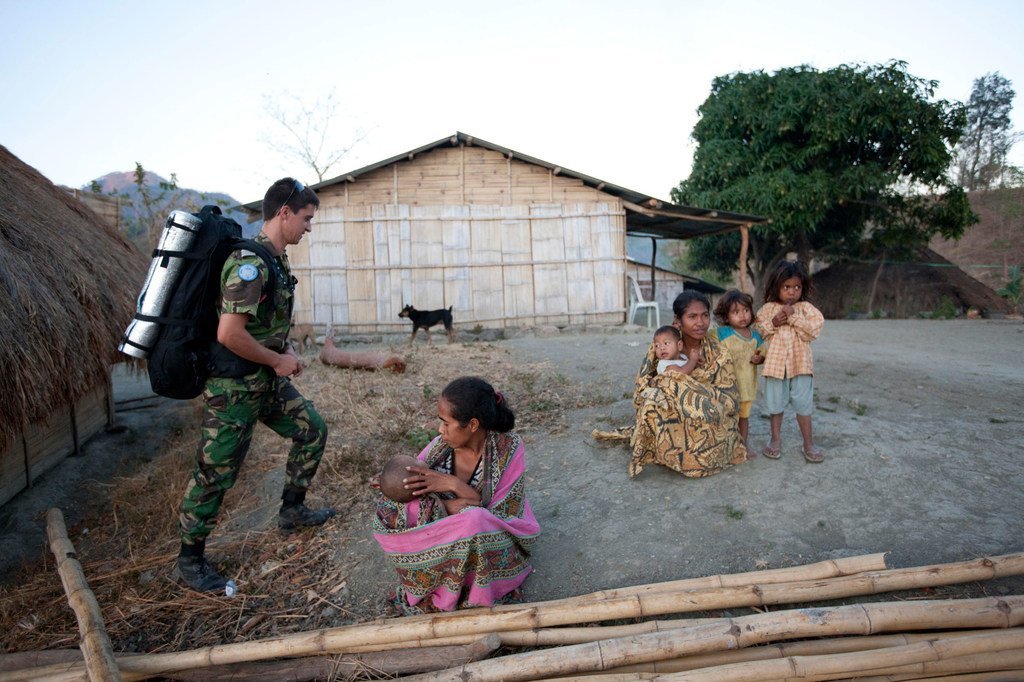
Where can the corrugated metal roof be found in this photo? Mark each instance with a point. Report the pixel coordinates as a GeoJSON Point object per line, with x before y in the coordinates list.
{"type": "Point", "coordinates": [645, 215]}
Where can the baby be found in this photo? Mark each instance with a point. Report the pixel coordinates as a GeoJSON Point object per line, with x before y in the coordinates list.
{"type": "Point", "coordinates": [668, 347]}
{"type": "Point", "coordinates": [392, 475]}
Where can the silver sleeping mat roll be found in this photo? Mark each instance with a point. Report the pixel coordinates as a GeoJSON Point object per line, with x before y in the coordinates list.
{"type": "Point", "coordinates": [180, 230]}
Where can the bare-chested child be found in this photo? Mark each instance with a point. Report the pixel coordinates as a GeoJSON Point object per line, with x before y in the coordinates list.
{"type": "Point", "coordinates": [392, 478]}
{"type": "Point", "coordinates": [668, 347]}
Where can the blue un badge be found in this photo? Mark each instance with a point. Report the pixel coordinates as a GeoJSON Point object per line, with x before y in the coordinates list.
{"type": "Point", "coordinates": [248, 272]}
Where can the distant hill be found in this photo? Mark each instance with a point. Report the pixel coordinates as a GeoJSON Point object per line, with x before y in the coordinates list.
{"type": "Point", "coordinates": [990, 248]}
{"type": "Point", "coordinates": [140, 219]}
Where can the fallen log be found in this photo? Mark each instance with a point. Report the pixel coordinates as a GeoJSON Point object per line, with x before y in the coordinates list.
{"type": "Point", "coordinates": [96, 649]}
{"type": "Point", "coordinates": [834, 666]}
{"type": "Point", "coordinates": [332, 355]}
{"type": "Point", "coordinates": [528, 616]}
{"type": "Point", "coordinates": [740, 632]}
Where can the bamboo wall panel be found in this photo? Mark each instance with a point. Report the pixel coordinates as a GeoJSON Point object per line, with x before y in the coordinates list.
{"type": "Point", "coordinates": [330, 307]}
{"type": "Point", "coordinates": [505, 265]}
{"type": "Point", "coordinates": [13, 478]}
{"type": "Point", "coordinates": [518, 292]}
{"type": "Point", "coordinates": [91, 414]}
{"type": "Point", "coordinates": [442, 230]}
{"type": "Point", "coordinates": [47, 442]}
{"type": "Point", "coordinates": [456, 176]}
{"type": "Point", "coordinates": [456, 236]}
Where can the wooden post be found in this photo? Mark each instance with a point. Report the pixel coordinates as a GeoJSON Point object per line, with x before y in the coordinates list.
{"type": "Point", "coordinates": [744, 244]}
{"type": "Point", "coordinates": [99, 656]}
{"type": "Point", "coordinates": [654, 260]}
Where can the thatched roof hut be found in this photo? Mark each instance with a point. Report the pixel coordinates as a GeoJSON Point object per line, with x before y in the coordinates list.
{"type": "Point", "coordinates": [68, 284]}
{"type": "Point", "coordinates": [925, 284]}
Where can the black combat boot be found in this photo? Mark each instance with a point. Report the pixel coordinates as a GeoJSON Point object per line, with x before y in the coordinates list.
{"type": "Point", "coordinates": [295, 514]}
{"type": "Point", "coordinates": [197, 572]}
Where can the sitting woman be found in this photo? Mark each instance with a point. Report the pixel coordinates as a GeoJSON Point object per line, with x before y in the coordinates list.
{"type": "Point", "coordinates": [464, 538]}
{"type": "Point", "coordinates": [688, 419]}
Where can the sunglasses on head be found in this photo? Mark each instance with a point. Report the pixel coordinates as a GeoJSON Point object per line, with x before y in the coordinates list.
{"type": "Point", "coordinates": [296, 187]}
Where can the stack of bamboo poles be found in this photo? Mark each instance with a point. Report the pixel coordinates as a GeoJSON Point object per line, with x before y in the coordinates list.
{"type": "Point", "coordinates": [974, 635]}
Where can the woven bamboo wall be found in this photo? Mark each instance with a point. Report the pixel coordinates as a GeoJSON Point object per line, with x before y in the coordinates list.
{"type": "Point", "coordinates": [107, 208]}
{"type": "Point", "coordinates": [45, 443]}
{"type": "Point", "coordinates": [506, 243]}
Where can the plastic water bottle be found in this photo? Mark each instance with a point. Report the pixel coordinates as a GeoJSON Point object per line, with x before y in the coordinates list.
{"type": "Point", "coordinates": [230, 589]}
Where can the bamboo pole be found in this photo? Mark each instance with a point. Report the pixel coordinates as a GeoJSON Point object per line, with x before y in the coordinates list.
{"type": "Point", "coordinates": [395, 662]}
{"type": "Point", "coordinates": [738, 633]}
{"type": "Point", "coordinates": [991, 664]}
{"type": "Point", "coordinates": [551, 636]}
{"type": "Point", "coordinates": [95, 645]}
{"type": "Point", "coordinates": [816, 647]}
{"type": "Point", "coordinates": [545, 636]}
{"type": "Point", "coordinates": [545, 614]}
{"type": "Point", "coordinates": [995, 674]}
{"type": "Point", "coordinates": [834, 666]}
{"type": "Point", "coordinates": [818, 571]}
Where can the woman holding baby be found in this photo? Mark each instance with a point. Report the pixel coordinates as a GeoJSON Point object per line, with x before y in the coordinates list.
{"type": "Point", "coordinates": [456, 524]}
{"type": "Point", "coordinates": [688, 421]}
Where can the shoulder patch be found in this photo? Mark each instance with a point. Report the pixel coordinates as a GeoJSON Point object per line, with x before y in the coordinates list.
{"type": "Point", "coordinates": [245, 253]}
{"type": "Point", "coordinates": [247, 272]}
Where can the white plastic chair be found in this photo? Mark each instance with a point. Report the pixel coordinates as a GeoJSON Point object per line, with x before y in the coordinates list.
{"type": "Point", "coordinates": [636, 302]}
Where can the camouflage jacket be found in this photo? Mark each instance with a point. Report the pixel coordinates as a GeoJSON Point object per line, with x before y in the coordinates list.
{"type": "Point", "coordinates": [242, 280]}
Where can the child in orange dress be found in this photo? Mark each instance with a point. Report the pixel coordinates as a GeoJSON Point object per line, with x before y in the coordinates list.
{"type": "Point", "coordinates": [789, 322]}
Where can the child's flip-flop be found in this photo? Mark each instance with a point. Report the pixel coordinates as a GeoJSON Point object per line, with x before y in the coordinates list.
{"type": "Point", "coordinates": [772, 451]}
{"type": "Point", "coordinates": [814, 455]}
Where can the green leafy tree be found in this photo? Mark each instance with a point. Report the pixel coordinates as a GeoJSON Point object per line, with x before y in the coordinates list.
{"type": "Point", "coordinates": [981, 154]}
{"type": "Point", "coordinates": [150, 204]}
{"type": "Point", "coordinates": [845, 161]}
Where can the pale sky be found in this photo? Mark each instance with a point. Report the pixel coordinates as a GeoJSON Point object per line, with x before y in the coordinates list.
{"type": "Point", "coordinates": [609, 89]}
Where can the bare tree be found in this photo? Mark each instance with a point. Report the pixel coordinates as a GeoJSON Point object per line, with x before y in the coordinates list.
{"type": "Point", "coordinates": [313, 132]}
{"type": "Point", "coordinates": [981, 155]}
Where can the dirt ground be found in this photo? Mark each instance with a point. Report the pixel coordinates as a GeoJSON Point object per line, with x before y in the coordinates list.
{"type": "Point", "coordinates": [923, 432]}
{"type": "Point", "coordinates": [920, 420]}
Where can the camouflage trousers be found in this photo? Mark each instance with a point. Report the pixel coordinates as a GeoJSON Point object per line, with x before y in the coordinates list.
{"type": "Point", "coordinates": [230, 412]}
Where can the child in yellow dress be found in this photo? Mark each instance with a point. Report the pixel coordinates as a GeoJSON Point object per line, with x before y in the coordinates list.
{"type": "Point", "coordinates": [734, 314]}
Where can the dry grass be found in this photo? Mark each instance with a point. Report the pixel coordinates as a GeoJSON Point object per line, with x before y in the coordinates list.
{"type": "Point", "coordinates": [128, 544]}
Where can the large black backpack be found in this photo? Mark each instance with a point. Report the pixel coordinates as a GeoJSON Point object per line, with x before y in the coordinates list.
{"type": "Point", "coordinates": [186, 348]}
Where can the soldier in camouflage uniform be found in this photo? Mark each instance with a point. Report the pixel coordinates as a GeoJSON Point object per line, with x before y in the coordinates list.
{"type": "Point", "coordinates": [250, 382]}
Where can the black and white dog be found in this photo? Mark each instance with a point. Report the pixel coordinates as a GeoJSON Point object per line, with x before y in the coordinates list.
{"type": "Point", "coordinates": [426, 319]}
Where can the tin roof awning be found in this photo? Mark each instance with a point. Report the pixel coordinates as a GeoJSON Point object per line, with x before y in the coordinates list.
{"type": "Point", "coordinates": [663, 220]}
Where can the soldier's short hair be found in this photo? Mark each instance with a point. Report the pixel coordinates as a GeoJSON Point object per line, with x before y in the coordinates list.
{"type": "Point", "coordinates": [288, 191]}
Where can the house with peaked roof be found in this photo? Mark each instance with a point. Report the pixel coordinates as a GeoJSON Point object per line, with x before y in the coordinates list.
{"type": "Point", "coordinates": [503, 238]}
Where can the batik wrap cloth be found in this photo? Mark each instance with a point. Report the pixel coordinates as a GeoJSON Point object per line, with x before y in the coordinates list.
{"type": "Point", "coordinates": [688, 423]}
{"type": "Point", "coordinates": [475, 557]}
